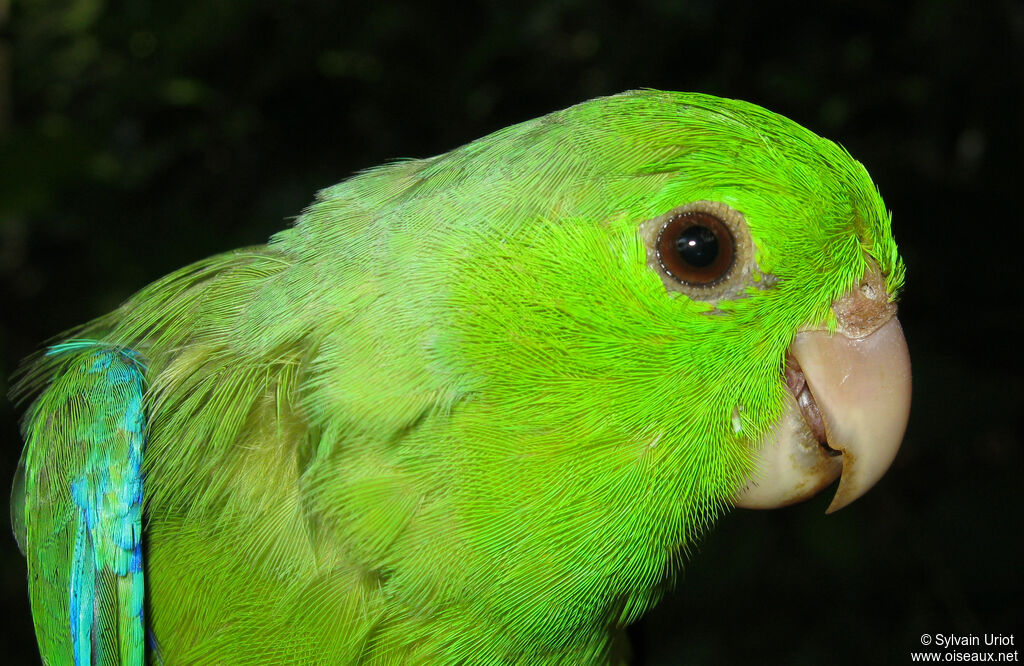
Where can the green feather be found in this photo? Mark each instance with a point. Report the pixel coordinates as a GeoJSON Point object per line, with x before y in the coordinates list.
{"type": "Point", "coordinates": [452, 415]}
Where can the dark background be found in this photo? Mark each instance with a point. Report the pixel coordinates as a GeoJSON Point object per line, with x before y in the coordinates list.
{"type": "Point", "coordinates": [136, 137]}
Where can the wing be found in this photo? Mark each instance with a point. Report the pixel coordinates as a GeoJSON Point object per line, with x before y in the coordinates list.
{"type": "Point", "coordinates": [77, 506]}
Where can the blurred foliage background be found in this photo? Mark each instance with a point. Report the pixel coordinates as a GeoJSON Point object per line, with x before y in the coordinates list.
{"type": "Point", "coordinates": [138, 136]}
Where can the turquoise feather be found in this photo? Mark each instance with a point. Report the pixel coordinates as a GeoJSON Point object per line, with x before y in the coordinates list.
{"type": "Point", "coordinates": [83, 490]}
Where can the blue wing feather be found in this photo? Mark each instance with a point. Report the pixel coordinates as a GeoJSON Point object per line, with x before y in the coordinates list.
{"type": "Point", "coordinates": [84, 451]}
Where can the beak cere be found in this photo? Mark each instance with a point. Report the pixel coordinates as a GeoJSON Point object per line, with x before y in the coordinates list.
{"type": "Point", "coordinates": [847, 410]}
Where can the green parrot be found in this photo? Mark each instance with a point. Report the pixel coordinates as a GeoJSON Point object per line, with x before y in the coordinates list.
{"type": "Point", "coordinates": [472, 409]}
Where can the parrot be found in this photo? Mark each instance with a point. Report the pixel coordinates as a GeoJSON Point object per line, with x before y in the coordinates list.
{"type": "Point", "coordinates": [477, 408]}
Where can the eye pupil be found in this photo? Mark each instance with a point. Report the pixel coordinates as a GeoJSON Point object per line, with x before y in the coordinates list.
{"type": "Point", "coordinates": [697, 246]}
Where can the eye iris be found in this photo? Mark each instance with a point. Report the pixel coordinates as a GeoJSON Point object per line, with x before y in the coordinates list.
{"type": "Point", "coordinates": [697, 246]}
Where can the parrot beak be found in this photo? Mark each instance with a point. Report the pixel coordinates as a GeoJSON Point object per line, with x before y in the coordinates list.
{"type": "Point", "coordinates": [847, 409]}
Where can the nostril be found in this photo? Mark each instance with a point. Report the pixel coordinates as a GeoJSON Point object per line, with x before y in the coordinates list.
{"type": "Point", "coordinates": [866, 307]}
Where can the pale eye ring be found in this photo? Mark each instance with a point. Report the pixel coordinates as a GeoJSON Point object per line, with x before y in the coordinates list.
{"type": "Point", "coordinates": [703, 249]}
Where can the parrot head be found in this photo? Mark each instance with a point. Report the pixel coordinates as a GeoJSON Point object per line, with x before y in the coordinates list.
{"type": "Point", "coordinates": [701, 279]}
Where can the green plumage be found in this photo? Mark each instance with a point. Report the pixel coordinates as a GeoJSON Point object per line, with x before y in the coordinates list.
{"type": "Point", "coordinates": [452, 415]}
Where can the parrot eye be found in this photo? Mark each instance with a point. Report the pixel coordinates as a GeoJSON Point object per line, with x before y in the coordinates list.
{"type": "Point", "coordinates": [696, 248]}
{"type": "Point", "coordinates": [703, 249]}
